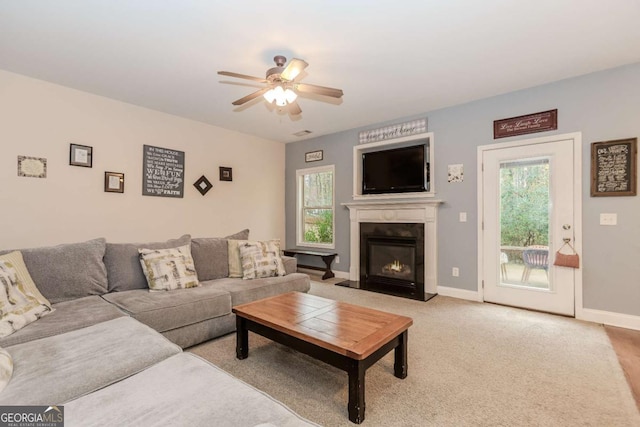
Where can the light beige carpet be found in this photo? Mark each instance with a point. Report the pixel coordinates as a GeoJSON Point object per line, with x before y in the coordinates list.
{"type": "Point", "coordinates": [470, 364]}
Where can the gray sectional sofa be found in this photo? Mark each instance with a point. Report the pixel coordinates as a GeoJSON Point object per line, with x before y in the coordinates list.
{"type": "Point", "coordinates": [111, 351]}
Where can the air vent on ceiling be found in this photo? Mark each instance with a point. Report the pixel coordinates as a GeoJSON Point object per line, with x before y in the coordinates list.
{"type": "Point", "coordinates": [302, 133]}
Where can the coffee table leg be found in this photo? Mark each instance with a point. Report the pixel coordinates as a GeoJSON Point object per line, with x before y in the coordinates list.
{"type": "Point", "coordinates": [242, 338]}
{"type": "Point", "coordinates": [400, 364]}
{"type": "Point", "coordinates": [356, 392]}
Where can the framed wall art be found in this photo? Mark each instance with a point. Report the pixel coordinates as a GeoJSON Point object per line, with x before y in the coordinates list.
{"type": "Point", "coordinates": [313, 156]}
{"type": "Point", "coordinates": [203, 185]}
{"type": "Point", "coordinates": [113, 182]}
{"type": "Point", "coordinates": [32, 167]}
{"type": "Point", "coordinates": [613, 168]}
{"type": "Point", "coordinates": [81, 155]}
{"type": "Point", "coordinates": [226, 174]}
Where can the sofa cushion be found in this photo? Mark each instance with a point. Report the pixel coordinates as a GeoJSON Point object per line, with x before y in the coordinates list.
{"type": "Point", "coordinates": [290, 264]}
{"type": "Point", "coordinates": [183, 390]}
{"type": "Point", "coordinates": [123, 265]}
{"type": "Point", "coordinates": [59, 368]}
{"type": "Point", "coordinates": [172, 309]}
{"type": "Point", "coordinates": [167, 269]}
{"type": "Point", "coordinates": [261, 259]}
{"type": "Point", "coordinates": [243, 291]}
{"type": "Point", "coordinates": [210, 255]}
{"type": "Point", "coordinates": [67, 316]}
{"type": "Point", "coordinates": [67, 271]}
{"type": "Point", "coordinates": [17, 307]}
{"type": "Point", "coordinates": [6, 368]}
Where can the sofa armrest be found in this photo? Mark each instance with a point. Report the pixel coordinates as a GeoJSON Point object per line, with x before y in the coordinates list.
{"type": "Point", "coordinates": [290, 264]}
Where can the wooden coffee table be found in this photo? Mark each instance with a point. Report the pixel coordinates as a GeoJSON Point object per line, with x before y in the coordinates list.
{"type": "Point", "coordinates": [347, 336]}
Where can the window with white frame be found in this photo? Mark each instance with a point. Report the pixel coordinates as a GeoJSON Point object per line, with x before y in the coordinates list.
{"type": "Point", "coordinates": [315, 201]}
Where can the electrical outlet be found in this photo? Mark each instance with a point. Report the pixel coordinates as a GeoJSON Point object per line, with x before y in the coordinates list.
{"type": "Point", "coordinates": [463, 217]}
{"type": "Point", "coordinates": [455, 272]}
{"type": "Point", "coordinates": [337, 259]}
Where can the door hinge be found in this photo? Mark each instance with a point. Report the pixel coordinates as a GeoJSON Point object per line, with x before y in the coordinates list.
{"type": "Point", "coordinates": [483, 284]}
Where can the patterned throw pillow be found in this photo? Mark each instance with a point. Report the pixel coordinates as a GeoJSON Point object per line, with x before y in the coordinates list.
{"type": "Point", "coordinates": [17, 262]}
{"type": "Point", "coordinates": [6, 368]}
{"type": "Point", "coordinates": [18, 307]}
{"type": "Point", "coordinates": [261, 259]}
{"type": "Point", "coordinates": [167, 269]}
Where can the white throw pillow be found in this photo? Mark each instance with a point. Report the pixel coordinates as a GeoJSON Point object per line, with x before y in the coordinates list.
{"type": "Point", "coordinates": [261, 259]}
{"type": "Point", "coordinates": [167, 269]}
{"type": "Point", "coordinates": [235, 263]}
{"type": "Point", "coordinates": [18, 307]}
{"type": "Point", "coordinates": [6, 368]}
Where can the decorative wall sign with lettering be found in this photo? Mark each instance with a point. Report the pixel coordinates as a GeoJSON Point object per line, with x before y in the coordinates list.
{"type": "Point", "coordinates": [531, 123]}
{"type": "Point", "coordinates": [613, 167]}
{"type": "Point", "coordinates": [162, 172]}
{"type": "Point", "coordinates": [394, 131]}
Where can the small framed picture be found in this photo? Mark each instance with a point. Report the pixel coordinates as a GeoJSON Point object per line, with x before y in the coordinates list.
{"type": "Point", "coordinates": [114, 182]}
{"type": "Point", "coordinates": [203, 185]}
{"type": "Point", "coordinates": [226, 174]}
{"type": "Point", "coordinates": [313, 156]}
{"type": "Point", "coordinates": [81, 155]}
{"type": "Point", "coordinates": [34, 167]}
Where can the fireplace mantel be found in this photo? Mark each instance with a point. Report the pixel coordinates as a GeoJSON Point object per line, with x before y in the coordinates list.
{"type": "Point", "coordinates": [398, 211]}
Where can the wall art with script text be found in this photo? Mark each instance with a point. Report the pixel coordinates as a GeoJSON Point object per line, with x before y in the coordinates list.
{"type": "Point", "coordinates": [613, 167]}
{"type": "Point", "coordinates": [162, 172]}
{"type": "Point", "coordinates": [521, 125]}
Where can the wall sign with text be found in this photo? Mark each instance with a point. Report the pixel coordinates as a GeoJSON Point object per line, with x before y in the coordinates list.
{"type": "Point", "coordinates": [521, 125]}
{"type": "Point", "coordinates": [162, 172]}
{"type": "Point", "coordinates": [613, 167]}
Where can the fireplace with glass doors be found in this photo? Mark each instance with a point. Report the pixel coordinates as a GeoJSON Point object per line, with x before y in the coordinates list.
{"type": "Point", "coordinates": [392, 259]}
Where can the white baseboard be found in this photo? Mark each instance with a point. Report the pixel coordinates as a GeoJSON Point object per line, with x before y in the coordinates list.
{"type": "Point", "coordinates": [609, 318]}
{"type": "Point", "coordinates": [459, 293]}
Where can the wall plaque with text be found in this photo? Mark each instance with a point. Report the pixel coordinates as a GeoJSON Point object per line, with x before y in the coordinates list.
{"type": "Point", "coordinates": [162, 172]}
{"type": "Point", "coordinates": [613, 168]}
{"type": "Point", "coordinates": [531, 123]}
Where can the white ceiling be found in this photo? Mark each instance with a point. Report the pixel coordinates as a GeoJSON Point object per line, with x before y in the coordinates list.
{"type": "Point", "coordinates": [392, 58]}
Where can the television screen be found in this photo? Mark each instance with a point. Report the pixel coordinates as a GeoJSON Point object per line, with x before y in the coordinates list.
{"type": "Point", "coordinates": [398, 170]}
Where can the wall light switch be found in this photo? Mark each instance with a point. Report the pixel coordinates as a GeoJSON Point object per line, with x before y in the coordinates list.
{"type": "Point", "coordinates": [463, 217]}
{"type": "Point", "coordinates": [608, 219]}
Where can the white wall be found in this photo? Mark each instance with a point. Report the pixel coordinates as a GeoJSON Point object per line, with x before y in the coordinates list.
{"type": "Point", "coordinates": [41, 119]}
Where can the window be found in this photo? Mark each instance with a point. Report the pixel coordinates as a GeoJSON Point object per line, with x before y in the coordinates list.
{"type": "Point", "coordinates": [315, 216]}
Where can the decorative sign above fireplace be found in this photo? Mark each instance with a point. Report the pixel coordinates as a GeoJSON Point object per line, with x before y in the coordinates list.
{"type": "Point", "coordinates": [394, 131]}
{"type": "Point", "coordinates": [531, 123]}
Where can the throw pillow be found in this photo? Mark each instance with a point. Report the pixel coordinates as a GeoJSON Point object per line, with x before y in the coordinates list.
{"type": "Point", "coordinates": [6, 368]}
{"type": "Point", "coordinates": [235, 263]}
{"type": "Point", "coordinates": [211, 255]}
{"type": "Point", "coordinates": [261, 259]}
{"type": "Point", "coordinates": [18, 308]}
{"type": "Point", "coordinates": [167, 269]}
{"type": "Point", "coordinates": [16, 261]}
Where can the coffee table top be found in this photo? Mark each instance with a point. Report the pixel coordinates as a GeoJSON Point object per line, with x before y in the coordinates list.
{"type": "Point", "coordinates": [346, 329]}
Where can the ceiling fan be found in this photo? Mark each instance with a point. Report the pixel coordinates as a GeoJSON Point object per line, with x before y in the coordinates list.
{"type": "Point", "coordinates": [282, 87]}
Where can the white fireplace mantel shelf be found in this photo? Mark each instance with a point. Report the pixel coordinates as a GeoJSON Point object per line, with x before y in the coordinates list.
{"type": "Point", "coordinates": [422, 211]}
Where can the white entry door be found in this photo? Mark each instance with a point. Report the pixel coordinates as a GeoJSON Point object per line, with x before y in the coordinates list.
{"type": "Point", "coordinates": [529, 204]}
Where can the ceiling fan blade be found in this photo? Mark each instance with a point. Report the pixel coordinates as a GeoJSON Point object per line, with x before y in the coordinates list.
{"type": "Point", "coordinates": [241, 76]}
{"type": "Point", "coordinates": [320, 90]}
{"type": "Point", "coordinates": [294, 108]}
{"type": "Point", "coordinates": [294, 68]}
{"type": "Point", "coordinates": [251, 96]}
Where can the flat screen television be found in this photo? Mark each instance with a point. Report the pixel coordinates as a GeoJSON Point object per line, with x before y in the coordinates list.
{"type": "Point", "coordinates": [399, 170]}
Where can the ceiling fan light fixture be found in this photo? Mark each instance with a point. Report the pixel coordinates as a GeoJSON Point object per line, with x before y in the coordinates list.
{"type": "Point", "coordinates": [270, 96]}
{"type": "Point", "coordinates": [290, 95]}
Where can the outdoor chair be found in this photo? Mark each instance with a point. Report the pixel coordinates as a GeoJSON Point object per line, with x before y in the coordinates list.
{"type": "Point", "coordinates": [534, 257]}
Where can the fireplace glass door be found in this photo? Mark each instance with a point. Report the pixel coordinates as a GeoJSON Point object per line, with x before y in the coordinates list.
{"type": "Point", "coordinates": [392, 261]}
